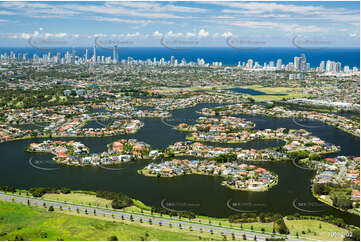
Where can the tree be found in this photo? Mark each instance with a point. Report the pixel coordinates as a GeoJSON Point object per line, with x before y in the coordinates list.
{"type": "Point", "coordinates": [244, 237]}
{"type": "Point", "coordinates": [113, 238]}
{"type": "Point", "coordinates": [51, 209]}
{"type": "Point", "coordinates": [65, 190]}
{"type": "Point", "coordinates": [280, 226]}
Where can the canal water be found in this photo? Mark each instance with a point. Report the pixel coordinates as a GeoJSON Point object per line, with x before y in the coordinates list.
{"type": "Point", "coordinates": [202, 194]}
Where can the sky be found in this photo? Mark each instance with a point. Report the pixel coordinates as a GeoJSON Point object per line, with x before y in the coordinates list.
{"type": "Point", "coordinates": [180, 24]}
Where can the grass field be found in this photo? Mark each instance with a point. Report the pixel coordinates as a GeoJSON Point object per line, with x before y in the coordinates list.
{"type": "Point", "coordinates": [304, 228]}
{"type": "Point", "coordinates": [289, 91]}
{"type": "Point", "coordinates": [79, 198]}
{"type": "Point", "coordinates": [90, 199]}
{"type": "Point", "coordinates": [21, 222]}
{"type": "Point", "coordinates": [315, 229]}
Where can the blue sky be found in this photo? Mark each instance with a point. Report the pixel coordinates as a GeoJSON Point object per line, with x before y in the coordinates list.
{"type": "Point", "coordinates": [177, 24]}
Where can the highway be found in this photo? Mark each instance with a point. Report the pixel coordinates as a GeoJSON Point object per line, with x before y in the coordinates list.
{"type": "Point", "coordinates": [153, 219]}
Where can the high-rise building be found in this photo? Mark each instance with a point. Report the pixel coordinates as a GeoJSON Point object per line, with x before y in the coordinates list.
{"type": "Point", "coordinates": [303, 62]}
{"type": "Point", "coordinates": [329, 66]}
{"type": "Point", "coordinates": [297, 63]}
{"type": "Point", "coordinates": [338, 67]}
{"type": "Point", "coordinates": [115, 54]}
{"type": "Point", "coordinates": [72, 55]}
{"type": "Point", "coordinates": [86, 56]}
{"type": "Point", "coordinates": [322, 66]}
{"type": "Point", "coordinates": [279, 64]}
{"type": "Point", "coordinates": [94, 54]}
{"type": "Point", "coordinates": [172, 60]}
{"type": "Point", "coordinates": [250, 63]}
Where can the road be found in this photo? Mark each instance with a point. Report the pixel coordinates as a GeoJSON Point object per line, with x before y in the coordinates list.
{"type": "Point", "coordinates": [125, 215]}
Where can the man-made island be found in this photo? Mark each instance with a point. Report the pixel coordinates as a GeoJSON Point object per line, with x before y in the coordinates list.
{"type": "Point", "coordinates": [236, 176]}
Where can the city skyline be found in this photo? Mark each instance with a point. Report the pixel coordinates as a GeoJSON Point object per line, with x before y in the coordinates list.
{"type": "Point", "coordinates": [174, 24]}
{"type": "Point", "coordinates": [299, 62]}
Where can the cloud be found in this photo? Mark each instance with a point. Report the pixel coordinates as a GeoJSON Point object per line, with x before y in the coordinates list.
{"type": "Point", "coordinates": [172, 34]}
{"type": "Point", "coordinates": [6, 13]}
{"type": "Point", "coordinates": [157, 34]}
{"type": "Point", "coordinates": [226, 34]}
{"type": "Point", "coordinates": [122, 20]}
{"type": "Point", "coordinates": [202, 33]}
{"type": "Point", "coordinates": [276, 26]}
{"type": "Point", "coordinates": [190, 35]}
{"type": "Point", "coordinates": [353, 35]}
{"type": "Point", "coordinates": [38, 35]}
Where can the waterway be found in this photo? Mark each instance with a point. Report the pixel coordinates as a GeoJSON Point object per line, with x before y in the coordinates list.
{"type": "Point", "coordinates": [202, 194]}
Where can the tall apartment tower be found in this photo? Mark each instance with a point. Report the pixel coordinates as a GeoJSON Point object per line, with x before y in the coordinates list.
{"type": "Point", "coordinates": [94, 54]}
{"type": "Point", "coordinates": [115, 54]}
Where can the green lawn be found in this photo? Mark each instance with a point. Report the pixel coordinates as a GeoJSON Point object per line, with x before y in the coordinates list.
{"type": "Point", "coordinates": [80, 198]}
{"type": "Point", "coordinates": [324, 231]}
{"type": "Point", "coordinates": [39, 224]}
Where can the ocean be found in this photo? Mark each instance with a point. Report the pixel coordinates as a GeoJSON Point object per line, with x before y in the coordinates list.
{"type": "Point", "coordinates": [227, 55]}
